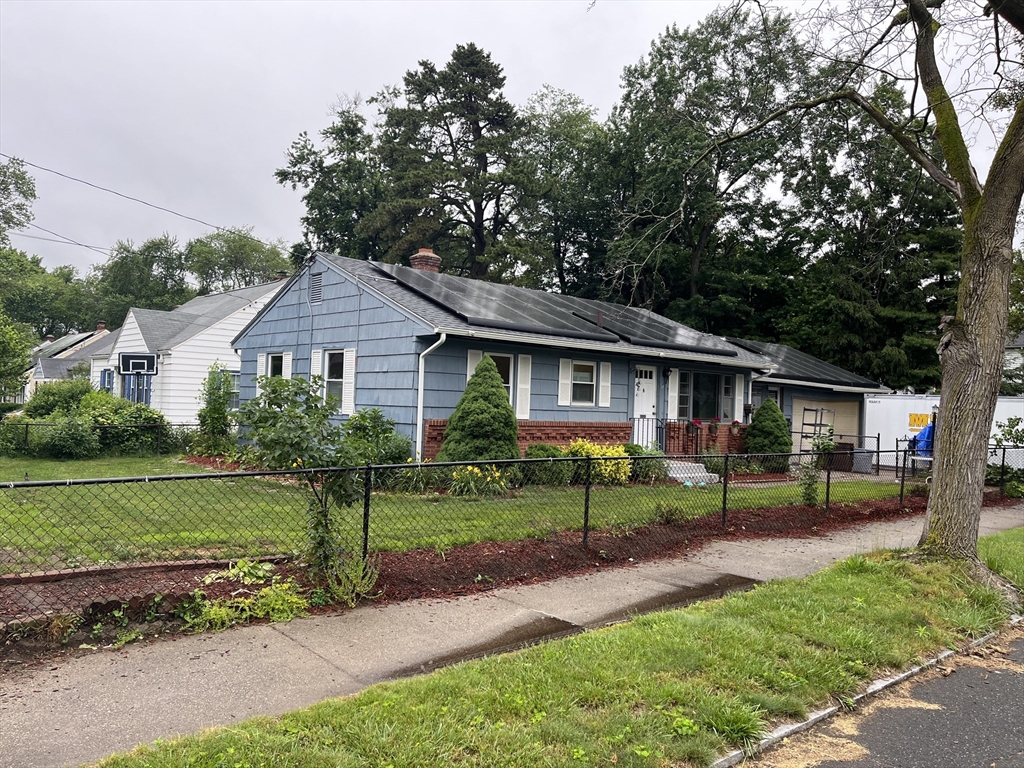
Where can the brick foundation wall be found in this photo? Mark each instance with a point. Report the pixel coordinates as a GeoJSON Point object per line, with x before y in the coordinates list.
{"type": "Point", "coordinates": [559, 433]}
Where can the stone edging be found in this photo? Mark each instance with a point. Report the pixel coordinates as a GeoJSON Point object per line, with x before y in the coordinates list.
{"type": "Point", "coordinates": [784, 731]}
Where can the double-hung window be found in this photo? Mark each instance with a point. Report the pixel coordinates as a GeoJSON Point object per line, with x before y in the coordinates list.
{"type": "Point", "coordinates": [584, 383]}
{"type": "Point", "coordinates": [337, 367]}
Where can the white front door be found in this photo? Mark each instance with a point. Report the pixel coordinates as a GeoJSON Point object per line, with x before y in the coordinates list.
{"type": "Point", "coordinates": [645, 405]}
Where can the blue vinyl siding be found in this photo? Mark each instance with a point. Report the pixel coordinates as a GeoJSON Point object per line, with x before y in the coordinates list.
{"type": "Point", "coordinates": [348, 316]}
{"type": "Point", "coordinates": [388, 343]}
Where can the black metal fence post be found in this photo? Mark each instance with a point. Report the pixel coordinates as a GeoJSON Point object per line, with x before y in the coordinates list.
{"type": "Point", "coordinates": [1002, 475]}
{"type": "Point", "coordinates": [903, 475]}
{"type": "Point", "coordinates": [586, 506]}
{"type": "Point", "coordinates": [878, 454]}
{"type": "Point", "coordinates": [725, 488]}
{"type": "Point", "coordinates": [828, 484]}
{"type": "Point", "coordinates": [367, 487]}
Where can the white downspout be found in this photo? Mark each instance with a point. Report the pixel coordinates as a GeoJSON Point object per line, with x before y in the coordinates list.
{"type": "Point", "coordinates": [419, 394]}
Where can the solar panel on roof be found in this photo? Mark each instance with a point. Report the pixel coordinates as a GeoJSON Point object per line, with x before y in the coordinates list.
{"type": "Point", "coordinates": [644, 329]}
{"type": "Point", "coordinates": [499, 306]}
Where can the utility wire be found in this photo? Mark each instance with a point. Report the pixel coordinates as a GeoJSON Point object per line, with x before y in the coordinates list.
{"type": "Point", "coordinates": [69, 240]}
{"type": "Point", "coordinates": [138, 200]}
{"type": "Point", "coordinates": [55, 240]}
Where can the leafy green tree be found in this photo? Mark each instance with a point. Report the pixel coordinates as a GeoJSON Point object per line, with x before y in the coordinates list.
{"type": "Point", "coordinates": [233, 258]}
{"type": "Point", "coordinates": [150, 276]}
{"type": "Point", "coordinates": [682, 206]}
{"type": "Point", "coordinates": [342, 183]}
{"type": "Point", "coordinates": [884, 239]}
{"type": "Point", "coordinates": [483, 425]}
{"type": "Point", "coordinates": [14, 356]}
{"type": "Point", "coordinates": [907, 43]}
{"type": "Point", "coordinates": [566, 224]}
{"type": "Point", "coordinates": [289, 422]}
{"type": "Point", "coordinates": [17, 193]}
{"type": "Point", "coordinates": [448, 149]}
{"type": "Point", "coordinates": [51, 302]}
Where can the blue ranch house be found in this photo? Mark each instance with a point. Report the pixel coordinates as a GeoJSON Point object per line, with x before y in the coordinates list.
{"type": "Point", "coordinates": [406, 339]}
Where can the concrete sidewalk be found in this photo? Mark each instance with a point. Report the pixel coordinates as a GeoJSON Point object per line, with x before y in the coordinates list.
{"type": "Point", "coordinates": [86, 708]}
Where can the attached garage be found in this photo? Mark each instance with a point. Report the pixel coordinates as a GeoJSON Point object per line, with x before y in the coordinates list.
{"type": "Point", "coordinates": [843, 415]}
{"type": "Point", "coordinates": [813, 395]}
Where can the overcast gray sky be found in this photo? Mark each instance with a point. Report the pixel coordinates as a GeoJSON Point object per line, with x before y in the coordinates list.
{"type": "Point", "coordinates": [192, 105]}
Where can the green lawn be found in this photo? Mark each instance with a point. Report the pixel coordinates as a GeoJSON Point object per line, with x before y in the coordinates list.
{"type": "Point", "coordinates": [666, 689]}
{"type": "Point", "coordinates": [71, 526]}
{"type": "Point", "coordinates": [15, 469]}
{"type": "Point", "coordinates": [1004, 554]}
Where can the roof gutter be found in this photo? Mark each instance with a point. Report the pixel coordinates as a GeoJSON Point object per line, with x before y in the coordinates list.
{"type": "Point", "coordinates": [833, 387]}
{"type": "Point", "coordinates": [597, 347]}
{"type": "Point", "coordinates": [419, 393]}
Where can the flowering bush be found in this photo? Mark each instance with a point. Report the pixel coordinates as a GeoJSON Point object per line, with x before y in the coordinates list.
{"type": "Point", "coordinates": [602, 472]}
{"type": "Point", "coordinates": [474, 481]}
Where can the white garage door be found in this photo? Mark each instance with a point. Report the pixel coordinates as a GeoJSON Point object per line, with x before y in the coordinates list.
{"type": "Point", "coordinates": [843, 415]}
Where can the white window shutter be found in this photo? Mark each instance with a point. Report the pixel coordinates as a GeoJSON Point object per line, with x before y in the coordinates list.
{"type": "Point", "coordinates": [348, 384]}
{"type": "Point", "coordinates": [316, 365]}
{"type": "Point", "coordinates": [473, 358]}
{"type": "Point", "coordinates": [673, 393]}
{"type": "Point", "coordinates": [523, 387]}
{"type": "Point", "coordinates": [605, 392]}
{"type": "Point", "coordinates": [565, 381]}
{"type": "Point", "coordinates": [286, 365]}
{"type": "Point", "coordinates": [738, 392]}
{"type": "Point", "coordinates": [261, 368]}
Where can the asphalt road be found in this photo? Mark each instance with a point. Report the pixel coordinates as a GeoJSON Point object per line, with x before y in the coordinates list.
{"type": "Point", "coordinates": [967, 714]}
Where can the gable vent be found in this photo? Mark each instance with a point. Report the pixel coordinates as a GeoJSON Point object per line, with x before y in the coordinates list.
{"type": "Point", "coordinates": [316, 287]}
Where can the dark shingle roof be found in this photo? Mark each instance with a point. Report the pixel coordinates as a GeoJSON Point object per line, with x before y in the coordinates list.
{"type": "Point", "coordinates": [164, 330]}
{"type": "Point", "coordinates": [798, 366]}
{"type": "Point", "coordinates": [437, 316]}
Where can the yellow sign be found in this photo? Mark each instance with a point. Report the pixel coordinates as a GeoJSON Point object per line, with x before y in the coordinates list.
{"type": "Point", "coordinates": [919, 421]}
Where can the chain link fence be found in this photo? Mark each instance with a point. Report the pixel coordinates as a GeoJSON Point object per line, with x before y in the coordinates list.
{"type": "Point", "coordinates": [78, 545]}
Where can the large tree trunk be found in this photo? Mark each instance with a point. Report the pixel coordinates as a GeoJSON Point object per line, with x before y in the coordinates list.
{"type": "Point", "coordinates": [972, 363]}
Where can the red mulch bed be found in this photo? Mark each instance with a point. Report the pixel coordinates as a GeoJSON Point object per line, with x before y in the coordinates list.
{"type": "Point", "coordinates": [431, 573]}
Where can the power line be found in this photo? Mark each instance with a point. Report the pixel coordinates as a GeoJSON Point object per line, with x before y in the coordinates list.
{"type": "Point", "coordinates": [55, 240]}
{"type": "Point", "coordinates": [69, 240]}
{"type": "Point", "coordinates": [138, 200]}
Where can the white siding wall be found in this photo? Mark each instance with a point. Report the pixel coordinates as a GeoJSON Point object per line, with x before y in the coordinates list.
{"type": "Point", "coordinates": [182, 373]}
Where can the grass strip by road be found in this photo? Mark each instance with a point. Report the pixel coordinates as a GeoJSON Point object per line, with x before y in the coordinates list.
{"type": "Point", "coordinates": [672, 688]}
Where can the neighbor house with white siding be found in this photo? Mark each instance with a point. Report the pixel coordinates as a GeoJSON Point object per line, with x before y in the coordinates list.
{"type": "Point", "coordinates": [183, 343]}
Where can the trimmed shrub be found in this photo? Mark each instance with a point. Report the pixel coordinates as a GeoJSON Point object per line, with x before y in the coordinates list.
{"type": "Point", "coordinates": [71, 437]}
{"type": "Point", "coordinates": [113, 414]}
{"type": "Point", "coordinates": [57, 396]}
{"type": "Point", "coordinates": [9, 408]}
{"type": "Point", "coordinates": [769, 433]}
{"type": "Point", "coordinates": [601, 472]}
{"type": "Point", "coordinates": [646, 470]}
{"type": "Point", "coordinates": [483, 426]}
{"type": "Point", "coordinates": [556, 473]}
{"type": "Point", "coordinates": [373, 440]}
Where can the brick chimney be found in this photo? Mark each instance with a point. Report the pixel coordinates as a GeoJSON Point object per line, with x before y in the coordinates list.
{"type": "Point", "coordinates": [101, 325]}
{"type": "Point", "coordinates": [282, 275]}
{"type": "Point", "coordinates": [425, 260]}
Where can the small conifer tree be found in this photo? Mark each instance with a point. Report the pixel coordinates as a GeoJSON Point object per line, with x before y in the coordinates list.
{"type": "Point", "coordinates": [483, 425]}
{"type": "Point", "coordinates": [769, 433]}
